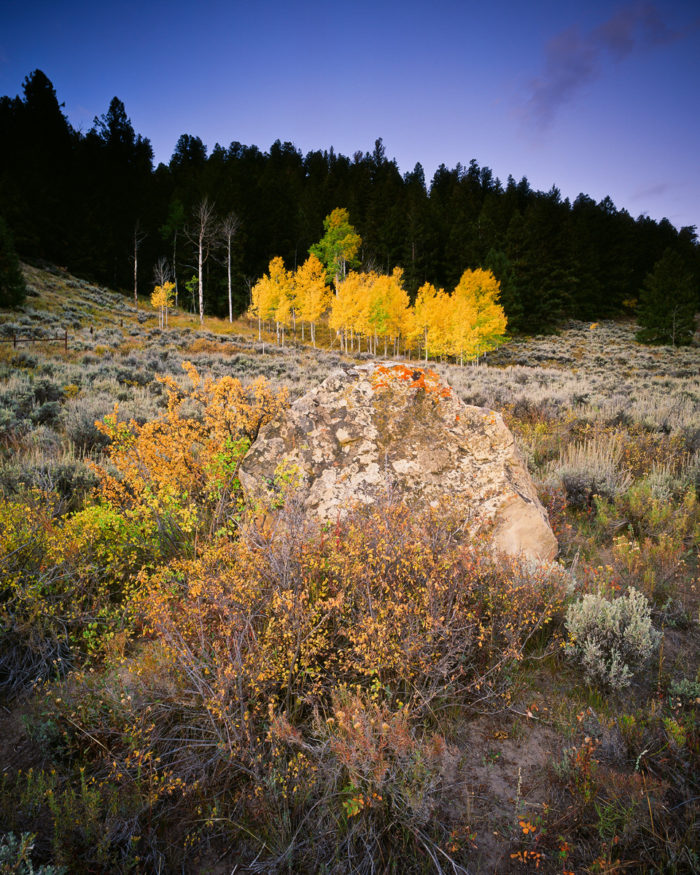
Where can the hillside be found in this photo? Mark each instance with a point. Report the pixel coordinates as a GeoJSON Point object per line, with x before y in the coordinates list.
{"type": "Point", "coordinates": [186, 689]}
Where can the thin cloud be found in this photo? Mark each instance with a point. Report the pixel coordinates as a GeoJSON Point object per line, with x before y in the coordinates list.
{"type": "Point", "coordinates": [573, 59]}
{"type": "Point", "coordinates": [651, 191]}
{"type": "Point", "coordinates": [636, 26]}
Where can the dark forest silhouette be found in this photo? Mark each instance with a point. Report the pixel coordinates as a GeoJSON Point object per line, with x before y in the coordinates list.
{"type": "Point", "coordinates": [84, 200]}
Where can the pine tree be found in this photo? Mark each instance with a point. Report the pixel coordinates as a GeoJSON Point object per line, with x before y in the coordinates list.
{"type": "Point", "coordinates": [667, 302]}
{"type": "Point", "coordinates": [13, 290]}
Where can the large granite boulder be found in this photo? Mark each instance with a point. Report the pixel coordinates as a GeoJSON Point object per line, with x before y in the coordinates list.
{"type": "Point", "coordinates": [374, 424]}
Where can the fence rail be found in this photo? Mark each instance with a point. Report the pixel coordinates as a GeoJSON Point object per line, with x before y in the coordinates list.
{"type": "Point", "coordinates": [15, 339]}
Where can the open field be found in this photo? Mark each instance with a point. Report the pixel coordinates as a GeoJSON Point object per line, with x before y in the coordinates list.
{"type": "Point", "coordinates": [186, 691]}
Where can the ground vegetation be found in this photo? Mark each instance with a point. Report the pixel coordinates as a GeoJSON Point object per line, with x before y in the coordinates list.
{"type": "Point", "coordinates": [192, 687]}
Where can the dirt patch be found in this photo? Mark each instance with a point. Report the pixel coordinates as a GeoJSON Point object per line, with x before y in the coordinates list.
{"type": "Point", "coordinates": [502, 779]}
{"type": "Point", "coordinates": [17, 749]}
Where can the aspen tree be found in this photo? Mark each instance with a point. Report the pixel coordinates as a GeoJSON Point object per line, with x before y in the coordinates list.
{"type": "Point", "coordinates": [313, 297]}
{"type": "Point", "coordinates": [161, 299]}
{"type": "Point", "coordinates": [478, 292]}
{"type": "Point", "coordinates": [201, 235]}
{"type": "Point", "coordinates": [272, 295]}
{"type": "Point", "coordinates": [227, 230]}
{"type": "Point", "coordinates": [338, 246]}
{"type": "Point", "coordinates": [422, 315]}
{"type": "Point", "coordinates": [138, 238]}
{"type": "Point", "coordinates": [437, 337]}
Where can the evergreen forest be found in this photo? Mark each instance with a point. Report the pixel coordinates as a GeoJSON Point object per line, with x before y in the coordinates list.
{"type": "Point", "coordinates": [94, 202]}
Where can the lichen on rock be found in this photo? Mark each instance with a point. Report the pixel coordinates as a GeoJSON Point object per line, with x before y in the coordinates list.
{"type": "Point", "coordinates": [372, 427]}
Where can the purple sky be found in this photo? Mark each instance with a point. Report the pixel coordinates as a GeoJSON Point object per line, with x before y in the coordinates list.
{"type": "Point", "coordinates": [599, 97]}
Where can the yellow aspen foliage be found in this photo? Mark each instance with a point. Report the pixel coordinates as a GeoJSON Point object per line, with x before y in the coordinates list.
{"type": "Point", "coordinates": [272, 296]}
{"type": "Point", "coordinates": [376, 307]}
{"type": "Point", "coordinates": [350, 306]}
{"type": "Point", "coordinates": [463, 334]}
{"type": "Point", "coordinates": [438, 312]}
{"type": "Point", "coordinates": [312, 295]}
{"type": "Point", "coordinates": [182, 469]}
{"type": "Point", "coordinates": [360, 287]}
{"type": "Point", "coordinates": [388, 309]}
{"type": "Point", "coordinates": [398, 307]}
{"type": "Point", "coordinates": [282, 282]}
{"type": "Point", "coordinates": [162, 298]}
{"type": "Point", "coordinates": [477, 293]}
{"type": "Point", "coordinates": [421, 316]}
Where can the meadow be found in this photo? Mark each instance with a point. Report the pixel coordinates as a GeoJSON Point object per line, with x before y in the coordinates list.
{"type": "Point", "coordinates": [185, 689]}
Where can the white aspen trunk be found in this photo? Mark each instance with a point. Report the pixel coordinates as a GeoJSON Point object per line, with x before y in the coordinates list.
{"type": "Point", "coordinates": [175, 265]}
{"type": "Point", "coordinates": [136, 269]}
{"type": "Point", "coordinates": [228, 265]}
{"type": "Point", "coordinates": [200, 256]}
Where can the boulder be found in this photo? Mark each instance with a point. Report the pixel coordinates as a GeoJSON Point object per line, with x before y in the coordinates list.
{"type": "Point", "coordinates": [371, 426]}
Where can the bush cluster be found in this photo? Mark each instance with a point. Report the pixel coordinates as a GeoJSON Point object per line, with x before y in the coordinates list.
{"type": "Point", "coordinates": [295, 676]}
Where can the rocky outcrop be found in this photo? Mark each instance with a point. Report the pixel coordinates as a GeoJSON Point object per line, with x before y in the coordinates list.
{"type": "Point", "coordinates": [372, 425]}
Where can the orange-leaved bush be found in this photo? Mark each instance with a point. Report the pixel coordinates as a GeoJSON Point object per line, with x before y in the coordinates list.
{"type": "Point", "coordinates": [181, 470]}
{"type": "Point", "coordinates": [396, 604]}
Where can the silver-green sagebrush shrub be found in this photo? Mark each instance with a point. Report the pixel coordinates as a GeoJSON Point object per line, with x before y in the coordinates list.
{"type": "Point", "coordinates": [15, 856]}
{"type": "Point", "coordinates": [612, 638]}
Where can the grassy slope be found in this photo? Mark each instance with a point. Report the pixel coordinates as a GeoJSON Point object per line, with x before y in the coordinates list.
{"type": "Point", "coordinates": [593, 412]}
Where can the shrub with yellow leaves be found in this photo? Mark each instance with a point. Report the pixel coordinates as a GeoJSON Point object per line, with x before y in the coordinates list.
{"type": "Point", "coordinates": [167, 484]}
{"type": "Point", "coordinates": [181, 470]}
{"type": "Point", "coordinates": [290, 673]}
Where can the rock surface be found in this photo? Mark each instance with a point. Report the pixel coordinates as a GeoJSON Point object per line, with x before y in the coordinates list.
{"type": "Point", "coordinates": [374, 424]}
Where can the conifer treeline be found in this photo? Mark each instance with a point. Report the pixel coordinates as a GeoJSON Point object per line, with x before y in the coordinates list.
{"type": "Point", "coordinates": [81, 199]}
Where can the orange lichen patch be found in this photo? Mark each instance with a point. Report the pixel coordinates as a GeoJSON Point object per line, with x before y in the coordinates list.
{"type": "Point", "coordinates": [385, 377]}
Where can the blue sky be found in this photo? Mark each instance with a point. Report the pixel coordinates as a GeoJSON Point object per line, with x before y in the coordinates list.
{"type": "Point", "coordinates": [600, 97]}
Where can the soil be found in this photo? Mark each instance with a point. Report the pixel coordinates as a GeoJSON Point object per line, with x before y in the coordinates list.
{"type": "Point", "coordinates": [503, 775]}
